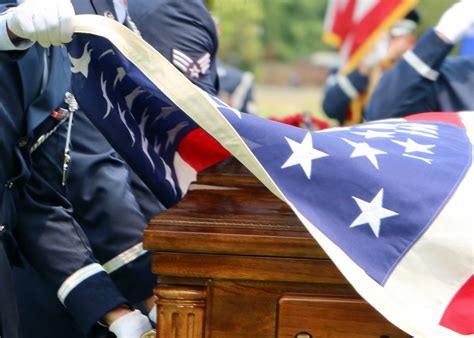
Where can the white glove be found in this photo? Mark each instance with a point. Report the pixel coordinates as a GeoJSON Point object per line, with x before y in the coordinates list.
{"type": "Point", "coordinates": [152, 314]}
{"type": "Point", "coordinates": [378, 53]}
{"type": "Point", "coordinates": [49, 22]}
{"type": "Point", "coordinates": [132, 325]}
{"type": "Point", "coordinates": [456, 20]}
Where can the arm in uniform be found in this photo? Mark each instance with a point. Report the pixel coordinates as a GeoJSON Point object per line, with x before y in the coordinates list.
{"type": "Point", "coordinates": [48, 234]}
{"type": "Point", "coordinates": [409, 87]}
{"type": "Point", "coordinates": [423, 80]}
{"type": "Point", "coordinates": [340, 90]}
{"type": "Point", "coordinates": [103, 195]}
{"type": "Point", "coordinates": [55, 244]}
{"type": "Point", "coordinates": [184, 33]}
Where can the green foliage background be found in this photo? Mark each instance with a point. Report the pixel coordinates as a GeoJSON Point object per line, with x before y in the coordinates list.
{"type": "Point", "coordinates": [254, 31]}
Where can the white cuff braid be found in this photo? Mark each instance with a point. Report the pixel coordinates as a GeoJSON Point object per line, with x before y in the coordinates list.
{"type": "Point", "coordinates": [456, 21]}
{"type": "Point", "coordinates": [132, 325]}
{"type": "Point", "coordinates": [378, 53]}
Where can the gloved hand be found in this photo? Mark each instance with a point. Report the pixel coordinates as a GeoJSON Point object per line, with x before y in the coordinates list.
{"type": "Point", "coordinates": [456, 21]}
{"type": "Point", "coordinates": [132, 325]}
{"type": "Point", "coordinates": [49, 22]}
{"type": "Point", "coordinates": [378, 53]}
{"type": "Point", "coordinates": [152, 314]}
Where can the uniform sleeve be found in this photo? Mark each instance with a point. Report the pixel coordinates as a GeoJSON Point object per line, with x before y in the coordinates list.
{"type": "Point", "coordinates": [339, 92]}
{"type": "Point", "coordinates": [54, 243]}
{"type": "Point", "coordinates": [409, 87]}
{"type": "Point", "coordinates": [184, 33]}
{"type": "Point", "coordinates": [105, 203]}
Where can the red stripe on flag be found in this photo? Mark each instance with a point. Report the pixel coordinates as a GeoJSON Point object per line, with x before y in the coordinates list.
{"type": "Point", "coordinates": [452, 118]}
{"type": "Point", "coordinates": [341, 21]}
{"type": "Point", "coordinates": [459, 315]}
{"type": "Point", "coordinates": [364, 33]}
{"type": "Point", "coordinates": [200, 150]}
{"type": "Point", "coordinates": [371, 22]}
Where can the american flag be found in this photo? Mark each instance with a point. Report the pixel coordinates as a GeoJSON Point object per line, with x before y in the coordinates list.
{"type": "Point", "coordinates": [354, 26]}
{"type": "Point", "coordinates": [163, 145]}
{"type": "Point", "coordinates": [388, 200]}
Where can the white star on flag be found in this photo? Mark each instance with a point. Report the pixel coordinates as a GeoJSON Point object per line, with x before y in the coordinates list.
{"type": "Point", "coordinates": [412, 146]}
{"type": "Point", "coordinates": [303, 154]}
{"type": "Point", "coordinates": [103, 86]}
{"type": "Point", "coordinates": [81, 65]}
{"type": "Point", "coordinates": [372, 213]}
{"type": "Point", "coordinates": [120, 75]}
{"type": "Point", "coordinates": [364, 149]}
{"type": "Point", "coordinates": [374, 133]}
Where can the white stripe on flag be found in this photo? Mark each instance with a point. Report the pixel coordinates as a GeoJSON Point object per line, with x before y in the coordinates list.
{"type": "Point", "coordinates": [184, 172]}
{"type": "Point", "coordinates": [362, 8]}
{"type": "Point", "coordinates": [419, 286]}
{"type": "Point", "coordinates": [393, 301]}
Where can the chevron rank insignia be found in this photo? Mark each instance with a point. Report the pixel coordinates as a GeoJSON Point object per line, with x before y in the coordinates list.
{"type": "Point", "coordinates": [193, 69]}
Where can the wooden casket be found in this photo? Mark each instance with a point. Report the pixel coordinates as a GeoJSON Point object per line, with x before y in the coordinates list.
{"type": "Point", "coordinates": [233, 261]}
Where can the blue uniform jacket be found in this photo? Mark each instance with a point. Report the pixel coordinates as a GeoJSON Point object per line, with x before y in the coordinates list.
{"type": "Point", "coordinates": [23, 109]}
{"type": "Point", "coordinates": [424, 80]}
{"type": "Point", "coordinates": [184, 33]}
{"type": "Point", "coordinates": [111, 205]}
{"type": "Point", "coordinates": [13, 172]}
{"type": "Point", "coordinates": [48, 235]}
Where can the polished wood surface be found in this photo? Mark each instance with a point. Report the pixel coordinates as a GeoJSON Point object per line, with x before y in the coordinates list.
{"type": "Point", "coordinates": [234, 261]}
{"type": "Point", "coordinates": [331, 317]}
{"type": "Point", "coordinates": [181, 311]}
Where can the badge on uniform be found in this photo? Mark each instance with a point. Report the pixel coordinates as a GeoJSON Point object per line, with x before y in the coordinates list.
{"type": "Point", "coordinates": [194, 69]}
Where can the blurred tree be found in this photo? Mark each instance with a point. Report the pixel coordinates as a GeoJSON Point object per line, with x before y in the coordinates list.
{"type": "Point", "coordinates": [292, 29]}
{"type": "Point", "coordinates": [284, 30]}
{"type": "Point", "coordinates": [241, 30]}
{"type": "Point", "coordinates": [210, 4]}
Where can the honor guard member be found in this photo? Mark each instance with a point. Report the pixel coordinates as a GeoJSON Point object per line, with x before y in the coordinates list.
{"type": "Point", "coordinates": [94, 207]}
{"type": "Point", "coordinates": [184, 33]}
{"type": "Point", "coordinates": [13, 173]}
{"type": "Point", "coordinates": [426, 79]}
{"type": "Point", "coordinates": [346, 96]}
{"type": "Point", "coordinates": [48, 235]}
{"type": "Point", "coordinates": [236, 88]}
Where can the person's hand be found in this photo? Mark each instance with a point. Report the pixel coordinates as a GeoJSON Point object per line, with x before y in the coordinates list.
{"type": "Point", "coordinates": [49, 22]}
{"type": "Point", "coordinates": [132, 325]}
{"type": "Point", "coordinates": [456, 21]}
{"type": "Point", "coordinates": [376, 55]}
